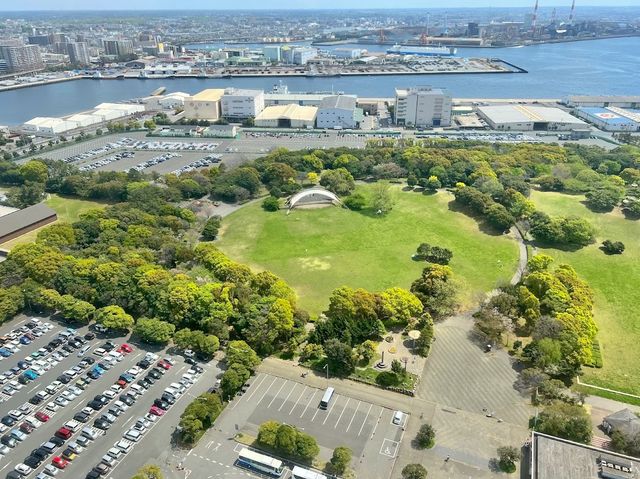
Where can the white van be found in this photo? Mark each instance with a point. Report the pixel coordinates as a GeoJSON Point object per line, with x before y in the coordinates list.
{"type": "Point", "coordinates": [398, 418]}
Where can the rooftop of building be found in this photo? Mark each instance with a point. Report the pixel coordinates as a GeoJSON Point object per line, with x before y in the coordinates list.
{"type": "Point", "coordinates": [604, 98]}
{"type": "Point", "coordinates": [625, 421]}
{"type": "Point", "coordinates": [292, 111]}
{"type": "Point", "coordinates": [421, 90]}
{"type": "Point", "coordinates": [23, 218]}
{"type": "Point", "coordinates": [605, 115]}
{"type": "Point", "coordinates": [527, 113]}
{"type": "Point", "coordinates": [210, 94]}
{"type": "Point", "coordinates": [554, 458]}
{"type": "Point", "coordinates": [241, 92]}
{"type": "Point", "coordinates": [343, 102]}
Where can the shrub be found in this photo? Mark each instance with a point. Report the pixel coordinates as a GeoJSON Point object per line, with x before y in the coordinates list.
{"type": "Point", "coordinates": [426, 437]}
{"type": "Point", "coordinates": [508, 456]}
{"type": "Point", "coordinates": [414, 471]}
{"type": "Point", "coordinates": [271, 203]}
{"type": "Point", "coordinates": [612, 247]}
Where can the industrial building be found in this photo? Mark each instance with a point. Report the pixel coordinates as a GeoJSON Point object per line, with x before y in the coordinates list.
{"type": "Point", "coordinates": [47, 126]}
{"type": "Point", "coordinates": [603, 101]}
{"type": "Point", "coordinates": [21, 58]}
{"type": "Point", "coordinates": [84, 120]}
{"type": "Point", "coordinates": [529, 118]}
{"type": "Point", "coordinates": [339, 111]}
{"type": "Point", "coordinates": [423, 106]}
{"type": "Point", "coordinates": [610, 119]}
{"type": "Point", "coordinates": [239, 104]}
{"type": "Point", "coordinates": [127, 109]}
{"type": "Point", "coordinates": [287, 116]}
{"type": "Point", "coordinates": [22, 221]}
{"type": "Point", "coordinates": [554, 458]}
{"type": "Point", "coordinates": [298, 55]}
{"type": "Point", "coordinates": [272, 53]}
{"type": "Point", "coordinates": [204, 105]}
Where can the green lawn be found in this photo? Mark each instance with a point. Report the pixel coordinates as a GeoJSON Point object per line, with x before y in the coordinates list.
{"type": "Point", "coordinates": [317, 250]}
{"type": "Point", "coordinates": [68, 209]}
{"type": "Point", "coordinates": [616, 284]}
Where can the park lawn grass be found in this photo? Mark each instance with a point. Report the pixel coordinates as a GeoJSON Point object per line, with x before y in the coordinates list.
{"type": "Point", "coordinates": [68, 210]}
{"type": "Point", "coordinates": [318, 250]}
{"type": "Point", "coordinates": [615, 281]}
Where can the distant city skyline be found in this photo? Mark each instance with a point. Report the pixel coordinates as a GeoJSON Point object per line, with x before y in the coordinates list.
{"type": "Point", "coordinates": [35, 5]}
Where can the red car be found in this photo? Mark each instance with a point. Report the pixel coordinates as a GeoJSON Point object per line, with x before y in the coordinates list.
{"type": "Point", "coordinates": [163, 364]}
{"type": "Point", "coordinates": [122, 383]}
{"type": "Point", "coordinates": [125, 348]}
{"type": "Point", "coordinates": [60, 462]}
{"type": "Point", "coordinates": [156, 411]}
{"type": "Point", "coordinates": [26, 428]}
{"type": "Point", "coordinates": [40, 416]}
{"type": "Point", "coordinates": [64, 433]}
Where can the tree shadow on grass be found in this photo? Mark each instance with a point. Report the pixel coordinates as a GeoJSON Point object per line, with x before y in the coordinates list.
{"type": "Point", "coordinates": [485, 227]}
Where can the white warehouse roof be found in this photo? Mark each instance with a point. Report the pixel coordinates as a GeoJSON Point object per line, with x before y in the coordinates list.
{"type": "Point", "coordinates": [130, 108]}
{"type": "Point", "coordinates": [526, 113]}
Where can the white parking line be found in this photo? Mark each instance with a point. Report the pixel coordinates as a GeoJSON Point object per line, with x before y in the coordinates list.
{"type": "Point", "coordinates": [265, 393]}
{"type": "Point", "coordinates": [365, 420]}
{"type": "Point", "coordinates": [305, 409]}
{"type": "Point", "coordinates": [354, 416]}
{"type": "Point", "coordinates": [255, 390]}
{"type": "Point", "coordinates": [330, 410]}
{"type": "Point", "coordinates": [276, 394]}
{"type": "Point", "coordinates": [377, 422]}
{"type": "Point", "coordinates": [295, 385]}
{"type": "Point", "coordinates": [299, 397]}
{"type": "Point", "coordinates": [343, 410]}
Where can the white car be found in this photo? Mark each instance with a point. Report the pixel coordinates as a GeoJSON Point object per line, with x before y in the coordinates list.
{"type": "Point", "coordinates": [23, 469]}
{"type": "Point", "coordinates": [124, 446]}
{"type": "Point", "coordinates": [33, 421]}
{"type": "Point", "coordinates": [109, 393]}
{"type": "Point", "coordinates": [51, 470]}
{"type": "Point", "coordinates": [99, 351]}
{"type": "Point", "coordinates": [60, 401]}
{"type": "Point", "coordinates": [120, 405]}
{"type": "Point", "coordinates": [15, 414]}
{"type": "Point", "coordinates": [52, 407]}
{"type": "Point", "coordinates": [4, 450]}
{"type": "Point", "coordinates": [115, 452]}
{"type": "Point", "coordinates": [68, 395]}
{"type": "Point", "coordinates": [132, 435]}
{"type": "Point", "coordinates": [108, 460]}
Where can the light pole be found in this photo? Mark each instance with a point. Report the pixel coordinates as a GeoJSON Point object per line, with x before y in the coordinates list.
{"type": "Point", "coordinates": [326, 366]}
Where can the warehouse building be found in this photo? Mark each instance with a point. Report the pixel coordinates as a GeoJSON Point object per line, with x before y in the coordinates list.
{"type": "Point", "coordinates": [611, 119]}
{"type": "Point", "coordinates": [22, 221]}
{"type": "Point", "coordinates": [603, 101]}
{"type": "Point", "coordinates": [204, 105]}
{"type": "Point", "coordinates": [239, 104]}
{"type": "Point", "coordinates": [127, 109]}
{"type": "Point", "coordinates": [47, 126]}
{"type": "Point", "coordinates": [287, 116]}
{"type": "Point", "coordinates": [339, 111]}
{"type": "Point", "coordinates": [554, 458]}
{"type": "Point", "coordinates": [84, 121]}
{"type": "Point", "coordinates": [423, 107]}
{"type": "Point", "coordinates": [529, 118]}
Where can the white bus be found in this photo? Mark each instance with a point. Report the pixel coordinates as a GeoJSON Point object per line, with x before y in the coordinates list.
{"type": "Point", "coordinates": [301, 473]}
{"type": "Point", "coordinates": [260, 462]}
{"type": "Point", "coordinates": [326, 399]}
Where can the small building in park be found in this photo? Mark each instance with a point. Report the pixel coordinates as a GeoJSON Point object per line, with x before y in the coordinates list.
{"type": "Point", "coordinates": [22, 221]}
{"type": "Point", "coordinates": [313, 197]}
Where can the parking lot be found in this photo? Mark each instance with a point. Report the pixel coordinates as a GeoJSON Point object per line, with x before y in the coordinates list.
{"type": "Point", "coordinates": [367, 429]}
{"type": "Point", "coordinates": [105, 409]}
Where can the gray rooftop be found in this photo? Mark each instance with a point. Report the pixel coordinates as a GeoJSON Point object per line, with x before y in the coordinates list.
{"type": "Point", "coordinates": [22, 218]}
{"type": "Point", "coordinates": [625, 421]}
{"type": "Point", "coordinates": [555, 458]}
{"type": "Point", "coordinates": [343, 102]}
{"type": "Point", "coordinates": [603, 98]}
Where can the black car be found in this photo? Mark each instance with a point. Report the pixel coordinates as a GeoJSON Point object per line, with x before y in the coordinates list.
{"type": "Point", "coordinates": [93, 475]}
{"type": "Point", "coordinates": [157, 373]}
{"type": "Point", "coordinates": [169, 398]}
{"type": "Point", "coordinates": [8, 421]}
{"type": "Point", "coordinates": [89, 360]}
{"type": "Point", "coordinates": [95, 405]}
{"type": "Point", "coordinates": [161, 404]}
{"type": "Point", "coordinates": [108, 346]}
{"type": "Point", "coordinates": [101, 424]}
{"type": "Point", "coordinates": [57, 441]}
{"type": "Point", "coordinates": [81, 416]}
{"type": "Point", "coordinates": [56, 342]}
{"type": "Point", "coordinates": [64, 379]}
{"type": "Point", "coordinates": [68, 348]}
{"type": "Point", "coordinates": [144, 364]}
{"type": "Point", "coordinates": [101, 398]}
{"type": "Point", "coordinates": [93, 374]}
{"type": "Point", "coordinates": [35, 400]}
{"type": "Point", "coordinates": [128, 400]}
{"type": "Point", "coordinates": [8, 441]}
{"type": "Point", "coordinates": [197, 369]}
{"type": "Point", "coordinates": [144, 383]}
{"type": "Point", "coordinates": [33, 461]}
{"type": "Point", "coordinates": [189, 361]}
{"type": "Point", "coordinates": [104, 366]}
{"type": "Point", "coordinates": [30, 325]}
{"type": "Point", "coordinates": [150, 379]}
{"type": "Point", "coordinates": [41, 453]}
{"type": "Point", "coordinates": [89, 336]}
{"type": "Point", "coordinates": [52, 344]}
{"type": "Point", "coordinates": [49, 347]}
{"type": "Point", "coordinates": [23, 379]}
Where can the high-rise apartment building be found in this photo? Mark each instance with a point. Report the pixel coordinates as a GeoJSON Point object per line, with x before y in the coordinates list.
{"type": "Point", "coordinates": [78, 53]}
{"type": "Point", "coordinates": [118, 48]}
{"type": "Point", "coordinates": [22, 58]}
{"type": "Point", "coordinates": [423, 106]}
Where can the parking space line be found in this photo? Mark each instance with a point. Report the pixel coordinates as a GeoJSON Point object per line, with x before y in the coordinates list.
{"type": "Point", "coordinates": [276, 394]}
{"type": "Point", "coordinates": [255, 390]}
{"type": "Point", "coordinates": [377, 422]}
{"type": "Point", "coordinates": [295, 385]}
{"type": "Point", "coordinates": [265, 393]}
{"type": "Point", "coordinates": [354, 416]}
{"type": "Point", "coordinates": [299, 397]}
{"type": "Point", "coordinates": [343, 410]}
{"type": "Point", "coordinates": [365, 420]}
{"type": "Point", "coordinates": [330, 410]}
{"type": "Point", "coordinates": [305, 409]}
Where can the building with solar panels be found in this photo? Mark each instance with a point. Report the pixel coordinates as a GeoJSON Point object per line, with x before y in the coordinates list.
{"type": "Point", "coordinates": [611, 118]}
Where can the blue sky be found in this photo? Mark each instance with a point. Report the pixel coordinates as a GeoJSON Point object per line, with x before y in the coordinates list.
{"type": "Point", "coordinates": [285, 4]}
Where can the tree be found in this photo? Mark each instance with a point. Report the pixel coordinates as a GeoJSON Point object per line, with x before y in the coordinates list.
{"type": "Point", "coordinates": [499, 217]}
{"type": "Point", "coordinates": [58, 235]}
{"type": "Point", "coordinates": [436, 290]}
{"type": "Point", "coordinates": [604, 197]}
{"type": "Point", "coordinates": [432, 183]}
{"type": "Point", "coordinates": [433, 254]}
{"type": "Point", "coordinates": [75, 309]}
{"type": "Point", "coordinates": [306, 446]}
{"type": "Point", "coordinates": [339, 181]}
{"type": "Point", "coordinates": [355, 201]}
{"type": "Point", "coordinates": [149, 471]}
{"type": "Point", "coordinates": [426, 437]}
{"type": "Point", "coordinates": [150, 125]}
{"type": "Point", "coordinates": [340, 459]}
{"type": "Point", "coordinates": [313, 177]}
{"type": "Point", "coordinates": [399, 305]}
{"type": "Point", "coordinates": [567, 421]}
{"type": "Point", "coordinates": [239, 352]}
{"type": "Point", "coordinates": [423, 343]}
{"type": "Point", "coordinates": [34, 171]}
{"type": "Point", "coordinates": [381, 199]}
{"type": "Point", "coordinates": [211, 228]}
{"type": "Point", "coordinates": [339, 357]}
{"type": "Point", "coordinates": [508, 456]}
{"type": "Point", "coordinates": [233, 379]}
{"type": "Point", "coordinates": [114, 317]}
{"type": "Point", "coordinates": [414, 471]}
{"type": "Point", "coordinates": [366, 350]}
{"type": "Point", "coordinates": [267, 433]}
{"type": "Point", "coordinates": [286, 439]}
{"type": "Point", "coordinates": [612, 247]}
{"type": "Point", "coordinates": [11, 302]}
{"type": "Point", "coordinates": [154, 331]}
{"type": "Point", "coordinates": [271, 203]}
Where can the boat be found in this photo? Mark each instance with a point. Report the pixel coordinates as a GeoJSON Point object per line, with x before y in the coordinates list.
{"type": "Point", "coordinates": [427, 51]}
